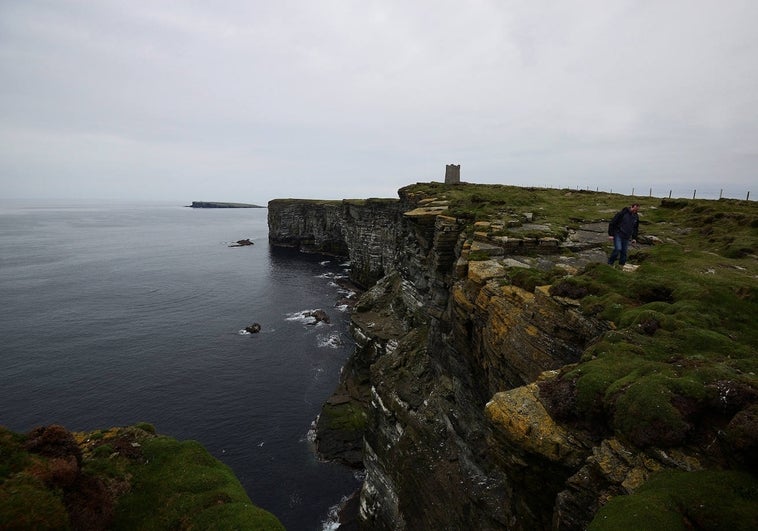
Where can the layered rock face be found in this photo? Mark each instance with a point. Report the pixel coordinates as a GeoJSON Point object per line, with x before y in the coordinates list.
{"type": "Point", "coordinates": [439, 451]}
{"type": "Point", "coordinates": [366, 231]}
{"type": "Point", "coordinates": [442, 395]}
{"type": "Point", "coordinates": [308, 226]}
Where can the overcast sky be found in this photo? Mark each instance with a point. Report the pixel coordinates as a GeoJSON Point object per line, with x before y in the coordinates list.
{"type": "Point", "coordinates": [251, 100]}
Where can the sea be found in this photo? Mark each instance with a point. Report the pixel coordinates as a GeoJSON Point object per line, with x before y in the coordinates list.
{"type": "Point", "coordinates": [117, 313]}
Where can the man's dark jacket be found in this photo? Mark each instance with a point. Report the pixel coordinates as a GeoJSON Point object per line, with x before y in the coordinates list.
{"type": "Point", "coordinates": [626, 224]}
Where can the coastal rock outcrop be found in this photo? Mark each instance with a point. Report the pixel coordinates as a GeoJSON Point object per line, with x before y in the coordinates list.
{"type": "Point", "coordinates": [318, 316]}
{"type": "Point", "coordinates": [494, 377]}
{"type": "Point", "coordinates": [253, 328]}
{"type": "Point", "coordinates": [217, 204]}
{"type": "Point", "coordinates": [119, 478]}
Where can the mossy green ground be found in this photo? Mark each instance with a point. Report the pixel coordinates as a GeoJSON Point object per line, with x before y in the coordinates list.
{"type": "Point", "coordinates": [146, 481]}
{"type": "Point", "coordinates": [26, 502]}
{"type": "Point", "coordinates": [685, 342]}
{"type": "Point", "coordinates": [560, 209]}
{"type": "Point", "coordinates": [348, 417]}
{"type": "Point", "coordinates": [679, 366]}
{"type": "Point", "coordinates": [673, 501]}
{"type": "Point", "coordinates": [196, 492]}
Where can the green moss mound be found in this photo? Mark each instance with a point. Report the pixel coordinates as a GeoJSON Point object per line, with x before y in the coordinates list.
{"type": "Point", "coordinates": [347, 417]}
{"type": "Point", "coordinates": [683, 356]}
{"type": "Point", "coordinates": [196, 492]}
{"type": "Point", "coordinates": [27, 503]}
{"type": "Point", "coordinates": [121, 478]}
{"type": "Point", "coordinates": [529, 279]}
{"type": "Point", "coordinates": [672, 501]}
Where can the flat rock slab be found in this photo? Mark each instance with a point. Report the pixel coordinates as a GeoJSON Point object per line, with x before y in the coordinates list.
{"type": "Point", "coordinates": [480, 271]}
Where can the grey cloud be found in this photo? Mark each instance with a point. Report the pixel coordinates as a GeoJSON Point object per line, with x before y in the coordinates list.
{"type": "Point", "coordinates": [253, 100]}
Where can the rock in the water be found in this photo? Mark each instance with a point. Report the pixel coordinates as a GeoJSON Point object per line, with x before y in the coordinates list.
{"type": "Point", "coordinates": [253, 328]}
{"type": "Point", "coordinates": [318, 315]}
{"type": "Point", "coordinates": [242, 243]}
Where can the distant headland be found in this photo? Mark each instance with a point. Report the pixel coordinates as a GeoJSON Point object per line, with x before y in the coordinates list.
{"type": "Point", "coordinates": [215, 204]}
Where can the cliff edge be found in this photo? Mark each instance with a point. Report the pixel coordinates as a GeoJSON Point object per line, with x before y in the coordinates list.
{"type": "Point", "coordinates": [505, 377]}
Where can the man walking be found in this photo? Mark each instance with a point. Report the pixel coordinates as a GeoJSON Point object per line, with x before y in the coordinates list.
{"type": "Point", "coordinates": [622, 229]}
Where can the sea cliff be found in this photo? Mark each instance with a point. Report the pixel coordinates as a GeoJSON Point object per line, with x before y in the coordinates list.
{"type": "Point", "coordinates": [217, 204]}
{"type": "Point", "coordinates": [506, 378]}
{"type": "Point", "coordinates": [363, 230]}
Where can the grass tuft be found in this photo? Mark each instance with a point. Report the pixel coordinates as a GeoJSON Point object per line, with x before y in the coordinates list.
{"type": "Point", "coordinates": [196, 491]}
{"type": "Point", "coordinates": [674, 500]}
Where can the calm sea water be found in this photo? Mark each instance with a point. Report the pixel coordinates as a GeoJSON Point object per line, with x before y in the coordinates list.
{"type": "Point", "coordinates": [112, 315]}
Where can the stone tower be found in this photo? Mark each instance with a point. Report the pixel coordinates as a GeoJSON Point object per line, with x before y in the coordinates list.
{"type": "Point", "coordinates": [453, 174]}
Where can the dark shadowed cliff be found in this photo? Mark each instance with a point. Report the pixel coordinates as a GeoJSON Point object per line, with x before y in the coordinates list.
{"type": "Point", "coordinates": [506, 378]}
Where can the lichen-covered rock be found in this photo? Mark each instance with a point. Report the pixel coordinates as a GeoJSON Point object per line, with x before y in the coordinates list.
{"type": "Point", "coordinates": [514, 335]}
{"type": "Point", "coordinates": [520, 417]}
{"type": "Point", "coordinates": [481, 271]}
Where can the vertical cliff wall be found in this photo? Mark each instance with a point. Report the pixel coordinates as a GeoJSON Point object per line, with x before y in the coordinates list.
{"type": "Point", "coordinates": [365, 231]}
{"type": "Point", "coordinates": [307, 225]}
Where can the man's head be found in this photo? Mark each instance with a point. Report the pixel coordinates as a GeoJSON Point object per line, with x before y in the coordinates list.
{"type": "Point", "coordinates": [635, 207]}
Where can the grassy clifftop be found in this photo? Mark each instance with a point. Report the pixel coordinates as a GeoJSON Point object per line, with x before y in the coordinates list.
{"type": "Point", "coordinates": [121, 478]}
{"type": "Point", "coordinates": [681, 360]}
{"type": "Point", "coordinates": [677, 369]}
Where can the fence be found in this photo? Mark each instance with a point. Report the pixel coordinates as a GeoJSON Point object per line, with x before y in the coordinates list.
{"type": "Point", "coordinates": [694, 193]}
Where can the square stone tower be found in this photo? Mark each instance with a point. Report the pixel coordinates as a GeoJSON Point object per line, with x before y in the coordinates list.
{"type": "Point", "coordinates": [453, 174]}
